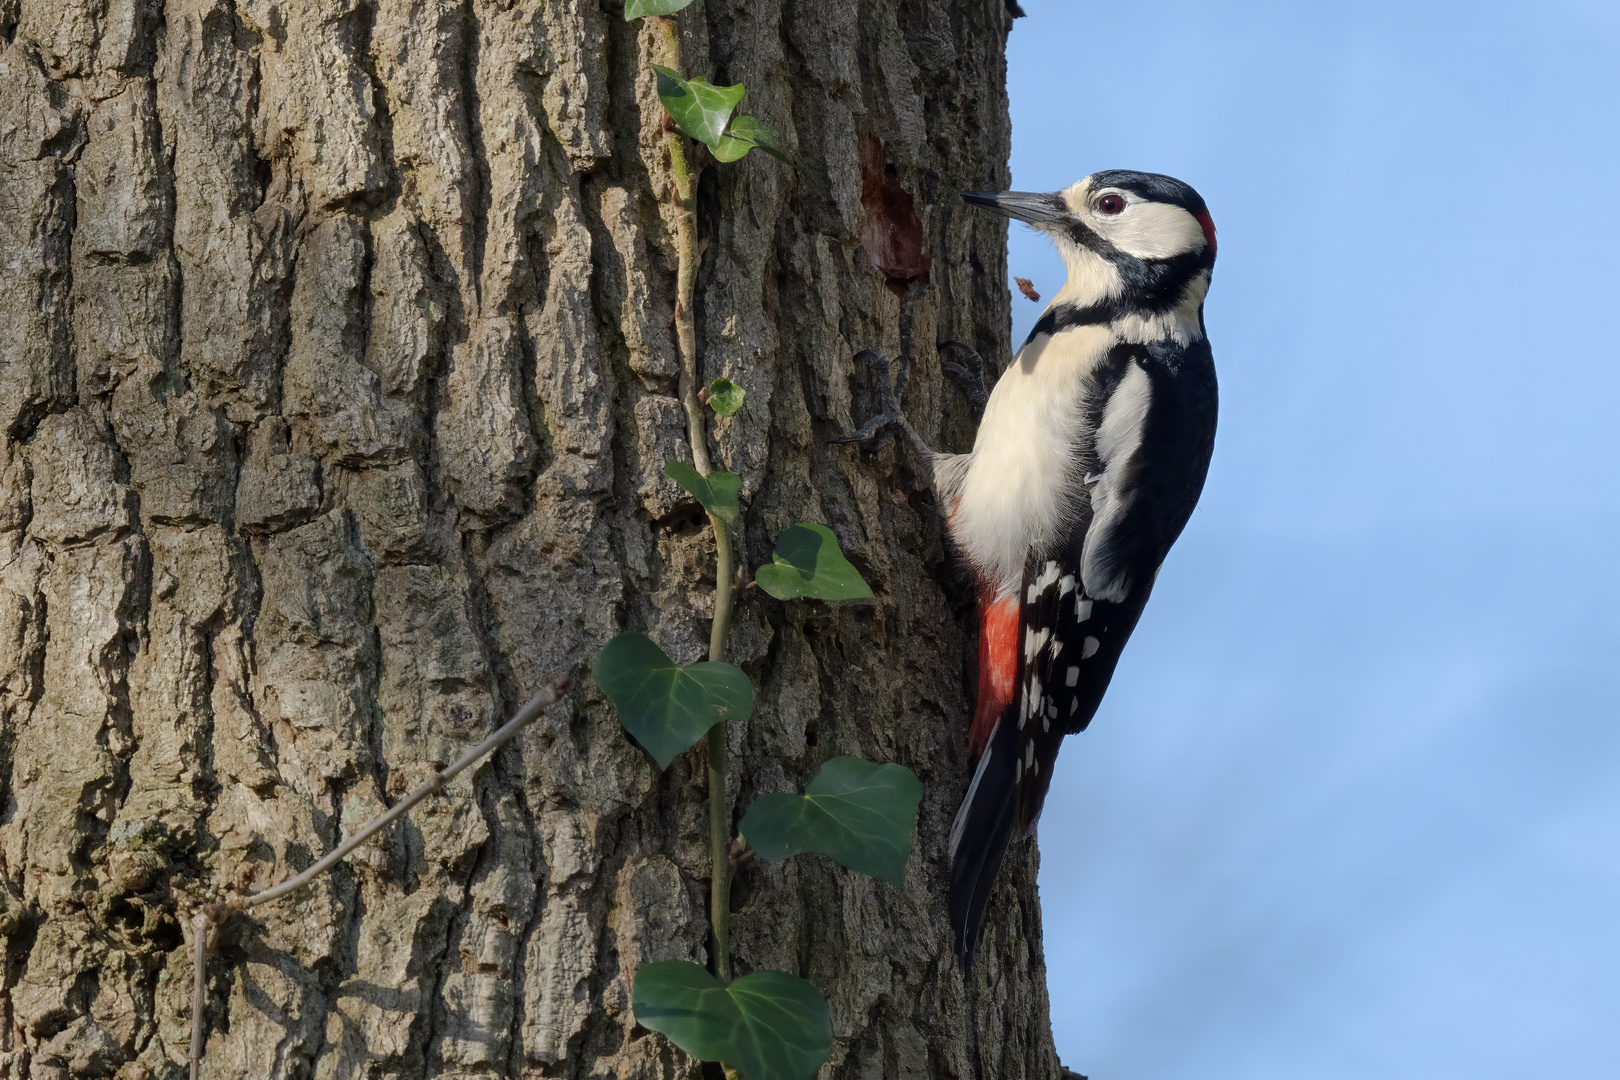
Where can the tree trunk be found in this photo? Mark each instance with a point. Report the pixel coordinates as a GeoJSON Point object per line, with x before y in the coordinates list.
{"type": "Point", "coordinates": [337, 372]}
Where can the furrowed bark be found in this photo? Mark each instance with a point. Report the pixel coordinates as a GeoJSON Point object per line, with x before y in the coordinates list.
{"type": "Point", "coordinates": [339, 362]}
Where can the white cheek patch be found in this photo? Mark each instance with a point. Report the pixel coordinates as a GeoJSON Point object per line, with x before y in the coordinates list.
{"type": "Point", "coordinates": [1151, 230]}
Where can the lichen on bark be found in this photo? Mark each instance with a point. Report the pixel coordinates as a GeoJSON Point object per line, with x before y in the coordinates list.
{"type": "Point", "coordinates": [337, 374]}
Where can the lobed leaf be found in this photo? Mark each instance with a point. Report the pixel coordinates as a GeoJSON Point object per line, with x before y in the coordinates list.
{"type": "Point", "coordinates": [725, 397]}
{"type": "Point", "coordinates": [697, 106]}
{"type": "Point", "coordinates": [665, 706]}
{"type": "Point", "coordinates": [807, 564]}
{"type": "Point", "coordinates": [861, 815]}
{"type": "Point", "coordinates": [635, 9]}
{"type": "Point", "coordinates": [747, 133]}
{"type": "Point", "coordinates": [768, 1025]}
{"type": "Point", "coordinates": [717, 492]}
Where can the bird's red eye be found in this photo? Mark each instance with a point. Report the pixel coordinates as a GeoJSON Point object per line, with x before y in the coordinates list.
{"type": "Point", "coordinates": [1110, 204]}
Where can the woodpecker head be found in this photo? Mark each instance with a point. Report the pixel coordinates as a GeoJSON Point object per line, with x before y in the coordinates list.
{"type": "Point", "coordinates": [1132, 241]}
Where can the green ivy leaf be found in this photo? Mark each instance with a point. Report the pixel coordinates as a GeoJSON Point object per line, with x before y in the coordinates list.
{"type": "Point", "coordinates": [635, 9]}
{"type": "Point", "coordinates": [666, 707]}
{"type": "Point", "coordinates": [717, 491]}
{"type": "Point", "coordinates": [747, 133]}
{"type": "Point", "coordinates": [725, 397]}
{"type": "Point", "coordinates": [768, 1025]}
{"type": "Point", "coordinates": [697, 106]}
{"type": "Point", "coordinates": [808, 564]}
{"type": "Point", "coordinates": [861, 815]}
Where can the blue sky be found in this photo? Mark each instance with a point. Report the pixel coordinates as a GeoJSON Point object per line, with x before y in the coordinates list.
{"type": "Point", "coordinates": [1352, 807]}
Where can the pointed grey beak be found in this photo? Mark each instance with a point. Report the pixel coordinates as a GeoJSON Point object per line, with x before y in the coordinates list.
{"type": "Point", "coordinates": [1037, 209]}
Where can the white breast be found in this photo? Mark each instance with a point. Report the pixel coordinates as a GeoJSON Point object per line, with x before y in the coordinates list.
{"type": "Point", "coordinates": [1019, 488]}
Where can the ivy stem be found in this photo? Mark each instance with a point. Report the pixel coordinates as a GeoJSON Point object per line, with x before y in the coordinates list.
{"type": "Point", "coordinates": [719, 807]}
{"type": "Point", "coordinates": [686, 268]}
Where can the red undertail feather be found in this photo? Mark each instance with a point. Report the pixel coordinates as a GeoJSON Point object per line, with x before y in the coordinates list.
{"type": "Point", "coordinates": [998, 668]}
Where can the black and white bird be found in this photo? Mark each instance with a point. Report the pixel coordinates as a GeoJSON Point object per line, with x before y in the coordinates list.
{"type": "Point", "coordinates": [1088, 461]}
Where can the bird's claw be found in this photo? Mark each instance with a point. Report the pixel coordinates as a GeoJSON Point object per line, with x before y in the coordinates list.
{"type": "Point", "coordinates": [875, 431]}
{"type": "Point", "coordinates": [969, 381]}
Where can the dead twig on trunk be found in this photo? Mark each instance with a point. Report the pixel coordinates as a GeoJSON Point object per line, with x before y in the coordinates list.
{"type": "Point", "coordinates": [206, 920]}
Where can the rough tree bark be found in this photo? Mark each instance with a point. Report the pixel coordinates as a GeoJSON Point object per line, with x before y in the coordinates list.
{"type": "Point", "coordinates": [336, 377]}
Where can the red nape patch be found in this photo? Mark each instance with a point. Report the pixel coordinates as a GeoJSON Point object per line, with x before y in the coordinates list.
{"type": "Point", "coordinates": [1207, 223]}
{"type": "Point", "coordinates": [998, 668]}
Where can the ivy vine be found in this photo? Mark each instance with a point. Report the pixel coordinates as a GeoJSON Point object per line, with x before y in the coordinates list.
{"type": "Point", "coordinates": [766, 1025]}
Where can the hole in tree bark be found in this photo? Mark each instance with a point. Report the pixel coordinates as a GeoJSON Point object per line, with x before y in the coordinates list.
{"type": "Point", "coordinates": [891, 232]}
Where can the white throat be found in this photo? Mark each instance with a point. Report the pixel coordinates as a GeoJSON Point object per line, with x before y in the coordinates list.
{"type": "Point", "coordinates": [1092, 279]}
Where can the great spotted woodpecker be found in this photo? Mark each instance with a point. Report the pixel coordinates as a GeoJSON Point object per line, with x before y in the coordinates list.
{"type": "Point", "coordinates": [1089, 459]}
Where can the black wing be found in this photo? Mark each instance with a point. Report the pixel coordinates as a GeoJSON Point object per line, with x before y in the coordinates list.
{"type": "Point", "coordinates": [1069, 647]}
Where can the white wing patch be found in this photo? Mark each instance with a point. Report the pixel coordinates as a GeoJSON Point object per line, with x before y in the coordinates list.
{"type": "Point", "coordinates": [1102, 566]}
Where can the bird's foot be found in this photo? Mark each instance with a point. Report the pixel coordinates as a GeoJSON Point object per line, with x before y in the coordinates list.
{"type": "Point", "coordinates": [969, 380]}
{"type": "Point", "coordinates": [877, 432]}
{"type": "Point", "coordinates": [967, 377]}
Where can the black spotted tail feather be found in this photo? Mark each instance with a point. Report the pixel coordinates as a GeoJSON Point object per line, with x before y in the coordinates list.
{"type": "Point", "coordinates": [1068, 646]}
